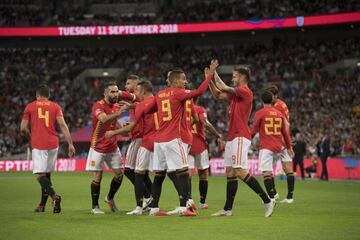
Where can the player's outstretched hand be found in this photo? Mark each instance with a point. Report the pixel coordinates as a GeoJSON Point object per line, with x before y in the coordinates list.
{"type": "Point", "coordinates": [221, 144]}
{"type": "Point", "coordinates": [126, 105]}
{"type": "Point", "coordinates": [213, 65]}
{"type": "Point", "coordinates": [206, 71]}
{"type": "Point", "coordinates": [291, 152]}
{"type": "Point", "coordinates": [109, 134]}
{"type": "Point", "coordinates": [71, 150]}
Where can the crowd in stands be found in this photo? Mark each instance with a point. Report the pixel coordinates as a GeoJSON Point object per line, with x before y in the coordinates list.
{"type": "Point", "coordinates": [201, 11]}
{"type": "Point", "coordinates": [318, 101]}
{"type": "Point", "coordinates": [45, 13]}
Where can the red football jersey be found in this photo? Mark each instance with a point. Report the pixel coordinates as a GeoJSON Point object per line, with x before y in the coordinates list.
{"type": "Point", "coordinates": [42, 115]}
{"type": "Point", "coordinates": [239, 113]}
{"type": "Point", "coordinates": [198, 131]}
{"type": "Point", "coordinates": [136, 132]}
{"type": "Point", "coordinates": [98, 140]}
{"type": "Point", "coordinates": [170, 104]}
{"type": "Point", "coordinates": [149, 123]}
{"type": "Point", "coordinates": [270, 123]}
{"type": "Point", "coordinates": [283, 108]}
{"type": "Point", "coordinates": [186, 135]}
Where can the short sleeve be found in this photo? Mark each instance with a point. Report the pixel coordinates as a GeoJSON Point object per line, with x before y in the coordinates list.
{"type": "Point", "coordinates": [98, 109]}
{"type": "Point", "coordinates": [59, 112]}
{"type": "Point", "coordinates": [241, 92]}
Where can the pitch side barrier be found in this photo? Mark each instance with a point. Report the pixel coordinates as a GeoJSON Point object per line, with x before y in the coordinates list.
{"type": "Point", "coordinates": [158, 29]}
{"type": "Point", "coordinates": [338, 168]}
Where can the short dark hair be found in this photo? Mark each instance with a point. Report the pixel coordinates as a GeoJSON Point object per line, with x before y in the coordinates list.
{"type": "Point", "coordinates": [244, 71]}
{"type": "Point", "coordinates": [175, 74]}
{"type": "Point", "coordinates": [133, 77]}
{"type": "Point", "coordinates": [108, 84]}
{"type": "Point", "coordinates": [146, 85]}
{"type": "Point", "coordinates": [273, 89]}
{"type": "Point", "coordinates": [267, 97]}
{"type": "Point", "coordinates": [43, 90]}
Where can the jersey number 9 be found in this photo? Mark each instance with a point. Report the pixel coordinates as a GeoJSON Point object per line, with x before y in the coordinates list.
{"type": "Point", "coordinates": [166, 108]}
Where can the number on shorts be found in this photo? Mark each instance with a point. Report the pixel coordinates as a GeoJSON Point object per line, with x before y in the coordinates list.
{"type": "Point", "coordinates": [165, 105]}
{"type": "Point", "coordinates": [273, 126]}
{"type": "Point", "coordinates": [44, 115]}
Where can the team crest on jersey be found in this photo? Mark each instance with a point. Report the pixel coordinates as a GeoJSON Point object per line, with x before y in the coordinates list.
{"type": "Point", "coordinates": [187, 91]}
{"type": "Point", "coordinates": [97, 111]}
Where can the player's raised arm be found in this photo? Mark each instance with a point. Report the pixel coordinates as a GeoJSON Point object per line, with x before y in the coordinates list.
{"type": "Point", "coordinates": [220, 94]}
{"type": "Point", "coordinates": [222, 86]}
{"type": "Point", "coordinates": [194, 115]}
{"type": "Point", "coordinates": [203, 86]}
{"type": "Point", "coordinates": [129, 96]}
{"type": "Point", "coordinates": [65, 131]}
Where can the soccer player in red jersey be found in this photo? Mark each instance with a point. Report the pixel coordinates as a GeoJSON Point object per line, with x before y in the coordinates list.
{"type": "Point", "coordinates": [169, 150]}
{"type": "Point", "coordinates": [286, 160]}
{"type": "Point", "coordinates": [188, 119]}
{"type": "Point", "coordinates": [272, 128]}
{"type": "Point", "coordinates": [239, 138]}
{"type": "Point", "coordinates": [43, 114]}
{"type": "Point", "coordinates": [144, 157]}
{"type": "Point", "coordinates": [199, 156]}
{"type": "Point", "coordinates": [104, 116]}
{"type": "Point", "coordinates": [131, 94]}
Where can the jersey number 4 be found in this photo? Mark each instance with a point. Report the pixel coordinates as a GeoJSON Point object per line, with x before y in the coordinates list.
{"type": "Point", "coordinates": [273, 126]}
{"type": "Point", "coordinates": [44, 115]}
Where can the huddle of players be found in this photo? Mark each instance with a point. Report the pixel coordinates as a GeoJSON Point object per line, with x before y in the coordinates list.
{"type": "Point", "coordinates": [166, 128]}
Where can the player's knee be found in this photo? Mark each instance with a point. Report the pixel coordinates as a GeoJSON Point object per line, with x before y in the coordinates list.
{"type": "Point", "coordinates": [230, 172]}
{"type": "Point", "coordinates": [142, 172]}
{"type": "Point", "coordinates": [242, 173]}
{"type": "Point", "coordinates": [160, 173]}
{"type": "Point", "coordinates": [231, 179]}
{"type": "Point", "coordinates": [97, 176]}
{"type": "Point", "coordinates": [119, 176]}
{"type": "Point", "coordinates": [182, 171]}
{"type": "Point", "coordinates": [267, 174]}
{"type": "Point", "coordinates": [203, 174]}
{"type": "Point", "coordinates": [39, 175]}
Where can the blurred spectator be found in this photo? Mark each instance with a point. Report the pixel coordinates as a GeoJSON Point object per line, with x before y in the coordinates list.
{"type": "Point", "coordinates": [45, 13]}
{"type": "Point", "coordinates": [299, 148]}
{"type": "Point", "coordinates": [314, 100]}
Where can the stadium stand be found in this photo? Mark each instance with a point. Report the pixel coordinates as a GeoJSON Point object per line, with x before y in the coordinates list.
{"type": "Point", "coordinates": [94, 12]}
{"type": "Point", "coordinates": [298, 68]}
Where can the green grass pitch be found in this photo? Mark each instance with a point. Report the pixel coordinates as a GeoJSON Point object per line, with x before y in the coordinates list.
{"type": "Point", "coordinates": [322, 210]}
